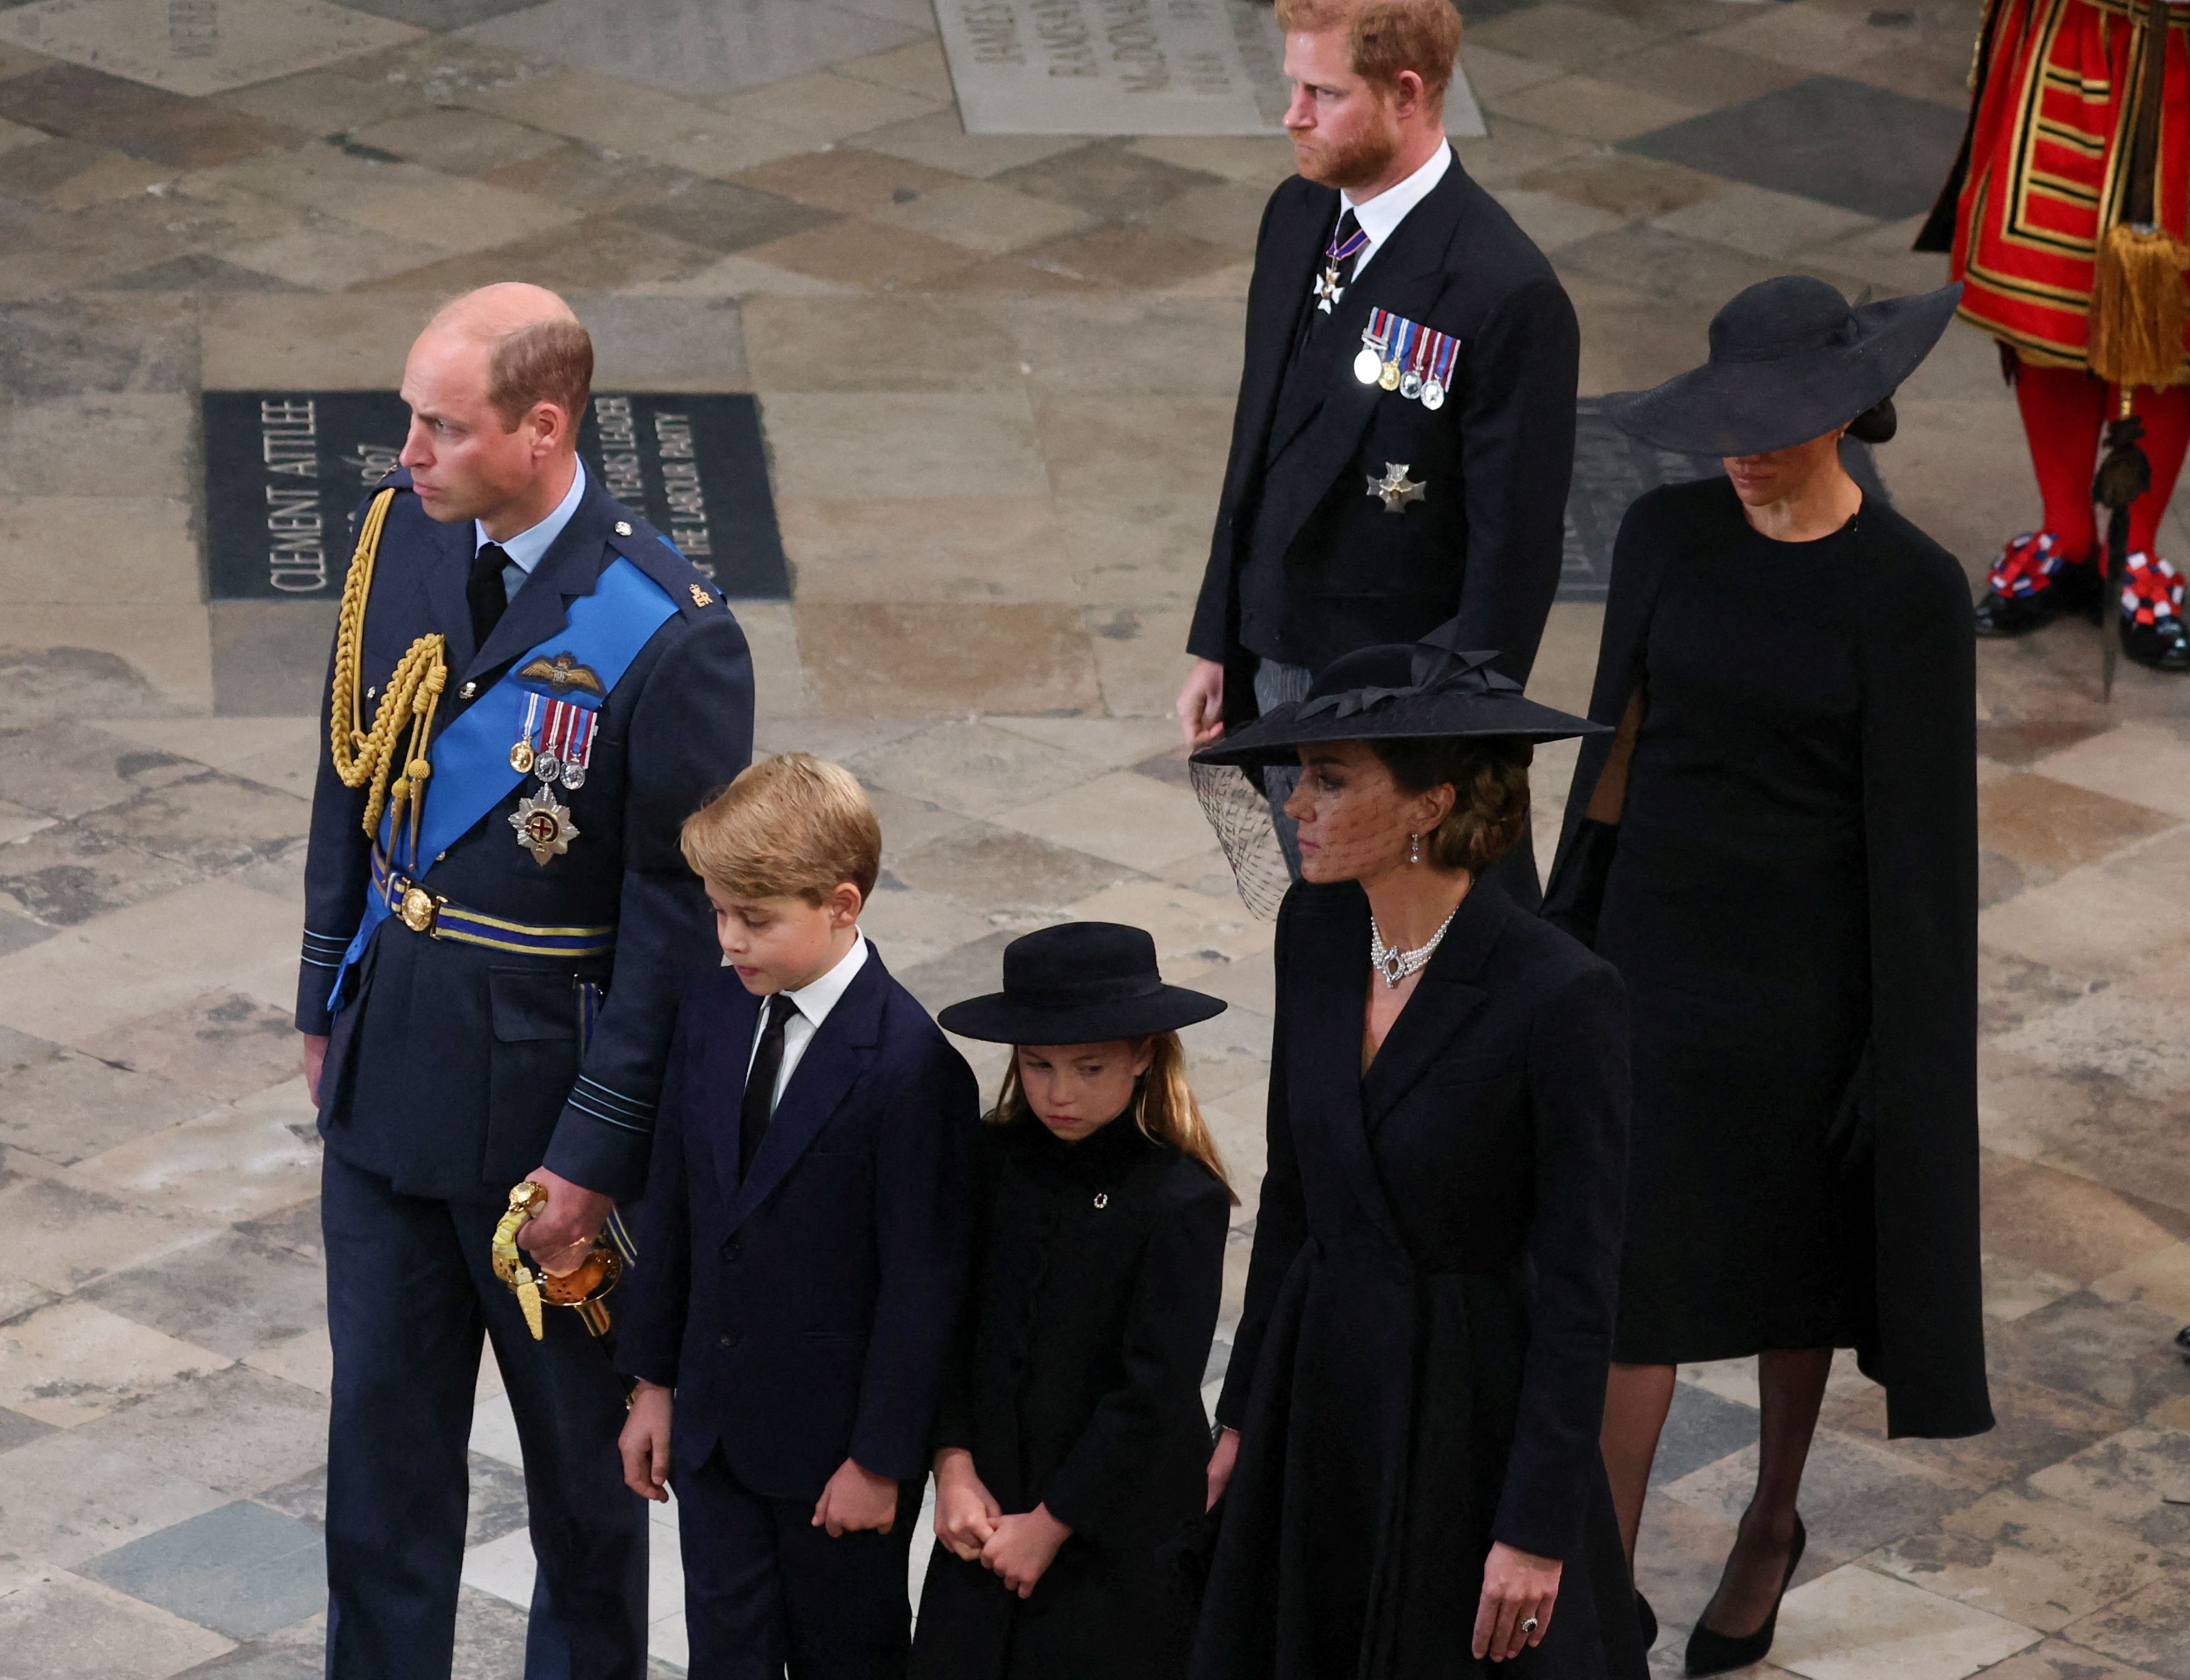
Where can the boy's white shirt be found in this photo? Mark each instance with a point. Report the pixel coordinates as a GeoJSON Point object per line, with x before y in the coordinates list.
{"type": "Point", "coordinates": [811, 1004]}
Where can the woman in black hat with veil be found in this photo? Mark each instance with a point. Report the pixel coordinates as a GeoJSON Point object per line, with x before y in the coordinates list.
{"type": "Point", "coordinates": [1778, 849]}
{"type": "Point", "coordinates": [1072, 1434]}
{"type": "Point", "coordinates": [1409, 1468]}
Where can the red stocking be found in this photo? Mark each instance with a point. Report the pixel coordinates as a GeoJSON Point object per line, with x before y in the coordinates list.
{"type": "Point", "coordinates": [2064, 408]}
{"type": "Point", "coordinates": [2166, 435]}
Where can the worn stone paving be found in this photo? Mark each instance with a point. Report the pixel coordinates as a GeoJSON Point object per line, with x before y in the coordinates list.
{"type": "Point", "coordinates": [995, 374]}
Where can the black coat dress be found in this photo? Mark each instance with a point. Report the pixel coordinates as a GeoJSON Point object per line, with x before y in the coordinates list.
{"type": "Point", "coordinates": [1789, 891]}
{"type": "Point", "coordinates": [1098, 1271]}
{"type": "Point", "coordinates": [1419, 1370]}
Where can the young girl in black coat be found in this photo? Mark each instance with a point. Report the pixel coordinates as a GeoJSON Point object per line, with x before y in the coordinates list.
{"type": "Point", "coordinates": [1073, 1438]}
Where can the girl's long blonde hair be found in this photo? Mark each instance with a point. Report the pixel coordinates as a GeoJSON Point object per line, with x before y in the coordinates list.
{"type": "Point", "coordinates": [1164, 1107]}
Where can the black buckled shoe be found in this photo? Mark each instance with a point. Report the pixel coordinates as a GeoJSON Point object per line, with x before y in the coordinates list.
{"type": "Point", "coordinates": [1711, 1653]}
{"type": "Point", "coordinates": [2151, 629]}
{"type": "Point", "coordinates": [2034, 582]}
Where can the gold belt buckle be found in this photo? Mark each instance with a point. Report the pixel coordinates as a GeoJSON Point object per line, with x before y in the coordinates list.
{"type": "Point", "coordinates": [416, 907]}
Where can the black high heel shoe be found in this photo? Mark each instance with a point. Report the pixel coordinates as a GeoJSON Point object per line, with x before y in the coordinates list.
{"type": "Point", "coordinates": [1712, 1653]}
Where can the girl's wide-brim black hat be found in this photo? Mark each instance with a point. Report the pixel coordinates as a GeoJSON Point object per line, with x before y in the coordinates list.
{"type": "Point", "coordinates": [1080, 983]}
{"type": "Point", "coordinates": [1425, 690]}
{"type": "Point", "coordinates": [1790, 360]}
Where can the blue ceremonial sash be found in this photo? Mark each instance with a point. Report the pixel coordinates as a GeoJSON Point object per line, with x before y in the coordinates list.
{"type": "Point", "coordinates": [472, 772]}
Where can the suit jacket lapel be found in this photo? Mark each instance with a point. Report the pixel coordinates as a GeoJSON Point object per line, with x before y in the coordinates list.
{"type": "Point", "coordinates": [828, 1068]}
{"type": "Point", "coordinates": [1446, 995]}
{"type": "Point", "coordinates": [1284, 271]}
{"type": "Point", "coordinates": [1323, 1056]}
{"type": "Point", "coordinates": [446, 573]}
{"type": "Point", "coordinates": [570, 568]}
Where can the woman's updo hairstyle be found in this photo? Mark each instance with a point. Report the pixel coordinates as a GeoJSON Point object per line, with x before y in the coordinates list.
{"type": "Point", "coordinates": [1490, 778]}
{"type": "Point", "coordinates": [1875, 424]}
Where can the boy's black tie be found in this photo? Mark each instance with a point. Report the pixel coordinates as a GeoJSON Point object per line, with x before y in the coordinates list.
{"type": "Point", "coordinates": [760, 1082]}
{"type": "Point", "coordinates": [483, 593]}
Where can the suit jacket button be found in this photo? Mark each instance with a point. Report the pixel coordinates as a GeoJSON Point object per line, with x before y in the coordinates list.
{"type": "Point", "coordinates": [726, 1340]}
{"type": "Point", "coordinates": [730, 1249]}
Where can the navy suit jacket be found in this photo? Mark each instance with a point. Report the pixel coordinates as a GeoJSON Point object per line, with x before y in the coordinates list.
{"type": "Point", "coordinates": [804, 1313]}
{"type": "Point", "coordinates": [455, 1069]}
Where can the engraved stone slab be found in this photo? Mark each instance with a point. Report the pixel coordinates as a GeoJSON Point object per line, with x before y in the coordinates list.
{"type": "Point", "coordinates": [1611, 469]}
{"type": "Point", "coordinates": [1128, 67]}
{"type": "Point", "coordinates": [196, 46]}
{"type": "Point", "coordinates": [284, 468]}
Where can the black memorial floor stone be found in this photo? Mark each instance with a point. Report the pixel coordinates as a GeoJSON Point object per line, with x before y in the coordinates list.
{"type": "Point", "coordinates": [1611, 469]}
{"type": "Point", "coordinates": [1864, 148]}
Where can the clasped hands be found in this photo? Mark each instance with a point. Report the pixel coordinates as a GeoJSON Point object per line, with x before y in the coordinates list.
{"type": "Point", "coordinates": [1518, 1586]}
{"type": "Point", "coordinates": [855, 1501]}
{"type": "Point", "coordinates": [1020, 1548]}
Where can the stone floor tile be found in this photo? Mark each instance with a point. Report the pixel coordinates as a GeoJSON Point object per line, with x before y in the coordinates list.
{"type": "Point", "coordinates": [241, 1570]}
{"type": "Point", "coordinates": [247, 1430]}
{"type": "Point", "coordinates": [66, 1108]}
{"type": "Point", "coordinates": [2127, 1033]}
{"type": "Point", "coordinates": [1553, 221]}
{"type": "Point", "coordinates": [1808, 38]}
{"type": "Point", "coordinates": [1128, 344]}
{"type": "Point", "coordinates": [2035, 820]}
{"type": "Point", "coordinates": [215, 821]}
{"type": "Point", "coordinates": [941, 142]}
{"type": "Point", "coordinates": [2035, 1561]}
{"type": "Point", "coordinates": [910, 928]}
{"type": "Point", "coordinates": [256, 39]}
{"type": "Point", "coordinates": [2014, 1289]}
{"type": "Point", "coordinates": [454, 141]}
{"type": "Point", "coordinates": [1561, 33]}
{"type": "Point", "coordinates": [1701, 1428]}
{"type": "Point", "coordinates": [1592, 109]}
{"type": "Point", "coordinates": [2159, 1281]}
{"type": "Point", "coordinates": [2106, 1353]}
{"type": "Point", "coordinates": [828, 105]}
{"type": "Point", "coordinates": [1003, 876]}
{"type": "Point", "coordinates": [1763, 223]}
{"type": "Point", "coordinates": [72, 346]}
{"type": "Point", "coordinates": [1228, 215]}
{"type": "Point", "coordinates": [1101, 446]}
{"type": "Point", "coordinates": [295, 1229]}
{"type": "Point", "coordinates": [593, 253]}
{"type": "Point", "coordinates": [346, 343]}
{"type": "Point", "coordinates": [147, 542]}
{"type": "Point", "coordinates": [241, 1160]}
{"type": "Point", "coordinates": [2011, 991]}
{"type": "Point", "coordinates": [332, 254]}
{"type": "Point", "coordinates": [65, 986]}
{"type": "Point", "coordinates": [65, 874]}
{"type": "Point", "coordinates": [848, 180]}
{"type": "Point", "coordinates": [324, 102]}
{"type": "Point", "coordinates": [1107, 179]}
{"type": "Point", "coordinates": [1129, 819]}
{"type": "Point", "coordinates": [1493, 74]}
{"type": "Point", "coordinates": [1119, 742]}
{"type": "Point", "coordinates": [71, 1498]}
{"type": "Point", "coordinates": [221, 1044]}
{"type": "Point", "coordinates": [865, 254]}
{"type": "Point", "coordinates": [1153, 254]}
{"type": "Point", "coordinates": [1855, 1495]}
{"type": "Point", "coordinates": [841, 447]}
{"type": "Point", "coordinates": [2151, 1627]}
{"type": "Point", "coordinates": [72, 1235]}
{"type": "Point", "coordinates": [2140, 762]}
{"type": "Point", "coordinates": [2096, 921]}
{"type": "Point", "coordinates": [1855, 1624]}
{"type": "Point", "coordinates": [67, 174]}
{"type": "Point", "coordinates": [744, 279]}
{"type": "Point", "coordinates": [1678, 1554]}
{"type": "Point", "coordinates": [59, 1624]}
{"type": "Point", "coordinates": [1696, 72]}
{"type": "Point", "coordinates": [1261, 161]}
{"type": "Point", "coordinates": [232, 1293]}
{"type": "Point", "coordinates": [53, 449]}
{"type": "Point", "coordinates": [623, 116]}
{"type": "Point", "coordinates": [1138, 658]}
{"type": "Point", "coordinates": [918, 659]}
{"type": "Point", "coordinates": [68, 1363]}
{"type": "Point", "coordinates": [590, 178]}
{"type": "Point", "coordinates": [981, 216]}
{"type": "Point", "coordinates": [2058, 1660]}
{"type": "Point", "coordinates": [491, 1636]}
{"type": "Point", "coordinates": [305, 1360]}
{"type": "Point", "coordinates": [936, 344]}
{"type": "Point", "coordinates": [2134, 1480]}
{"type": "Point", "coordinates": [722, 216]}
{"type": "Point", "coordinates": [970, 549]}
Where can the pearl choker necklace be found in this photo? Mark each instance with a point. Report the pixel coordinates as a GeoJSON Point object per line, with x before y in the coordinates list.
{"type": "Point", "coordinates": [1396, 966]}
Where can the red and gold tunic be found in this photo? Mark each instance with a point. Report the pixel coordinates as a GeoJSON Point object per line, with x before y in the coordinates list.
{"type": "Point", "coordinates": [2047, 160]}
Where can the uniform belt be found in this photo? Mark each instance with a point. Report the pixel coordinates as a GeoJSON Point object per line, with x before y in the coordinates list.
{"type": "Point", "coordinates": [429, 914]}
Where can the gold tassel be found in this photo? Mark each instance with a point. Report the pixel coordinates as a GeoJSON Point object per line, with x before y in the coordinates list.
{"type": "Point", "coordinates": [2139, 305]}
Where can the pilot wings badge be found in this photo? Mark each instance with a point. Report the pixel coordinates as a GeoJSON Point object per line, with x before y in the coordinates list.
{"type": "Point", "coordinates": [562, 673]}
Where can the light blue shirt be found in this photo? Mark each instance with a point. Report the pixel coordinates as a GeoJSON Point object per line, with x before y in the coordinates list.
{"type": "Point", "coordinates": [525, 548]}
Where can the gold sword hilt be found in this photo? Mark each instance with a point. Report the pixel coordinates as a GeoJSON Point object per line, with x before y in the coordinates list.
{"type": "Point", "coordinates": [580, 1288]}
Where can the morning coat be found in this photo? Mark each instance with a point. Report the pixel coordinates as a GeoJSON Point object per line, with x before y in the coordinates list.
{"type": "Point", "coordinates": [803, 1314]}
{"type": "Point", "coordinates": [1305, 564]}
{"type": "Point", "coordinates": [1419, 1368]}
{"type": "Point", "coordinates": [1077, 1384]}
{"type": "Point", "coordinates": [454, 1069]}
{"type": "Point", "coordinates": [1901, 1119]}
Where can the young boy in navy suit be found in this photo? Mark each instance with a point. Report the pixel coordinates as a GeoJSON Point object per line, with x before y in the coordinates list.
{"type": "Point", "coordinates": [804, 1238]}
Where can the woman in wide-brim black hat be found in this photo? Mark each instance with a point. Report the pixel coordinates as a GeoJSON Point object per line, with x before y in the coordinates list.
{"type": "Point", "coordinates": [1410, 1472]}
{"type": "Point", "coordinates": [1778, 849]}
{"type": "Point", "coordinates": [1072, 1435]}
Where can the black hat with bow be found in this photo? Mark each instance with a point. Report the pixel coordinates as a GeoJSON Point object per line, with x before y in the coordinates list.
{"type": "Point", "coordinates": [1401, 691]}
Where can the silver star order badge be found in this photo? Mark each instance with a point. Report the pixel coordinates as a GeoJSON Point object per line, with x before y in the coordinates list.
{"type": "Point", "coordinates": [543, 826]}
{"type": "Point", "coordinates": [1328, 290]}
{"type": "Point", "coordinates": [1395, 487]}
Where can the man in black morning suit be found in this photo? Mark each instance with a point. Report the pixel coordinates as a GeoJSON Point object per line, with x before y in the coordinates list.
{"type": "Point", "coordinates": [509, 1016]}
{"type": "Point", "coordinates": [1320, 546]}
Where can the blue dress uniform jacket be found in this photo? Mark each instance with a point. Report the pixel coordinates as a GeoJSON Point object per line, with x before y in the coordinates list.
{"type": "Point", "coordinates": [455, 1069]}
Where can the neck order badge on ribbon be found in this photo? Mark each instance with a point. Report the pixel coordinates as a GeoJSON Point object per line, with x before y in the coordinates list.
{"type": "Point", "coordinates": [547, 705]}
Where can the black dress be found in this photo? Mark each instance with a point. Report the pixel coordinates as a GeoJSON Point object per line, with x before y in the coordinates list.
{"type": "Point", "coordinates": [1789, 892]}
{"type": "Point", "coordinates": [1419, 1368]}
{"type": "Point", "coordinates": [1099, 1268]}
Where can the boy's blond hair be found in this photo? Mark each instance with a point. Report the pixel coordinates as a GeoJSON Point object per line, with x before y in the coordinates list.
{"type": "Point", "coordinates": [1386, 37]}
{"type": "Point", "coordinates": [790, 826]}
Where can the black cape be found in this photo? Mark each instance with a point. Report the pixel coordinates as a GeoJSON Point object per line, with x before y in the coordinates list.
{"type": "Point", "coordinates": [1909, 1147]}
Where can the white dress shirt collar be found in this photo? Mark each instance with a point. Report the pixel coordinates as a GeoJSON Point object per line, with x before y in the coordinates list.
{"type": "Point", "coordinates": [527, 547]}
{"type": "Point", "coordinates": [1380, 215]}
{"type": "Point", "coordinates": [810, 1007]}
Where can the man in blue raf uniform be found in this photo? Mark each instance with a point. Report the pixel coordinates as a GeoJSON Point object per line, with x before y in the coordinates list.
{"type": "Point", "coordinates": [497, 926]}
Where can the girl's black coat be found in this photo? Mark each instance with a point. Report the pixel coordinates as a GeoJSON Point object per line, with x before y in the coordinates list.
{"type": "Point", "coordinates": [1098, 1271]}
{"type": "Point", "coordinates": [1420, 1369]}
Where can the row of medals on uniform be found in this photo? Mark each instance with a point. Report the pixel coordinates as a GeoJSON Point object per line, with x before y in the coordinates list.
{"type": "Point", "coordinates": [565, 738]}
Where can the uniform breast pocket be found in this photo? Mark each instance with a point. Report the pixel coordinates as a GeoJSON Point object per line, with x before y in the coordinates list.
{"type": "Point", "coordinates": [538, 1020]}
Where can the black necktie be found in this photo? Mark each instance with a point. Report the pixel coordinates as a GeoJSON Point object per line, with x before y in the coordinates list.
{"type": "Point", "coordinates": [483, 593]}
{"type": "Point", "coordinates": [760, 1081]}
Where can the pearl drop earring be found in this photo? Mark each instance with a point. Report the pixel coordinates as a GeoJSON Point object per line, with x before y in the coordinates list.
{"type": "Point", "coordinates": [1414, 848]}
